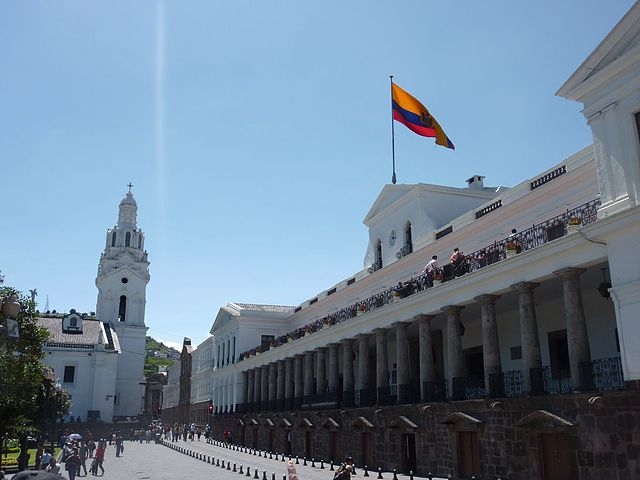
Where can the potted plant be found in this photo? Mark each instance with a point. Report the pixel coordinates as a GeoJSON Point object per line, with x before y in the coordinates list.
{"type": "Point", "coordinates": [512, 249]}
{"type": "Point", "coordinates": [573, 224]}
{"type": "Point", "coordinates": [437, 278]}
{"type": "Point", "coordinates": [361, 309]}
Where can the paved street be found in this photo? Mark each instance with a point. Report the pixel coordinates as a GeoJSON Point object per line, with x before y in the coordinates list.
{"type": "Point", "coordinates": [161, 462]}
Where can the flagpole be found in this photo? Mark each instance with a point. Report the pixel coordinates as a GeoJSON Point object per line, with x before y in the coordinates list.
{"type": "Point", "coordinates": [393, 144]}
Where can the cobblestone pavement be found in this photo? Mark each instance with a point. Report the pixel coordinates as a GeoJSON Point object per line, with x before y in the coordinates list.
{"type": "Point", "coordinates": [196, 460]}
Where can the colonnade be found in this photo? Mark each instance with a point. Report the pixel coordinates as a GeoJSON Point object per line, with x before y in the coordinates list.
{"type": "Point", "coordinates": [340, 373]}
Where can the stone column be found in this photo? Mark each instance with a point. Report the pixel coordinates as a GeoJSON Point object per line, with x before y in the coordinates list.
{"type": "Point", "coordinates": [298, 381]}
{"type": "Point", "coordinates": [577, 336]}
{"type": "Point", "coordinates": [363, 361]}
{"type": "Point", "coordinates": [264, 387]}
{"type": "Point", "coordinates": [280, 386]}
{"type": "Point", "coordinates": [348, 378]}
{"type": "Point", "coordinates": [257, 382]}
{"type": "Point", "coordinates": [530, 339]}
{"type": "Point", "coordinates": [490, 345]}
{"type": "Point", "coordinates": [427, 367]}
{"type": "Point", "coordinates": [273, 385]}
{"type": "Point", "coordinates": [308, 374]}
{"type": "Point", "coordinates": [250, 380]}
{"type": "Point", "coordinates": [333, 368]}
{"type": "Point", "coordinates": [382, 362]}
{"type": "Point", "coordinates": [289, 384]}
{"type": "Point", "coordinates": [402, 362]}
{"type": "Point", "coordinates": [321, 371]}
{"type": "Point", "coordinates": [455, 358]}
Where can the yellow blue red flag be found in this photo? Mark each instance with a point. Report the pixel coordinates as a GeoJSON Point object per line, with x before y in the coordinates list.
{"type": "Point", "coordinates": [412, 114]}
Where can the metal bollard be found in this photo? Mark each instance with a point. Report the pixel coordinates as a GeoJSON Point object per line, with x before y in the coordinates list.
{"type": "Point", "coordinates": [331, 465]}
{"type": "Point", "coordinates": [321, 464]}
{"type": "Point", "coordinates": [379, 472]}
{"type": "Point", "coordinates": [240, 471]}
{"type": "Point", "coordinates": [313, 462]}
{"type": "Point", "coordinates": [304, 461]}
{"type": "Point", "coordinates": [410, 474]}
{"type": "Point", "coordinates": [234, 467]}
{"type": "Point", "coordinates": [297, 460]}
{"type": "Point", "coordinates": [248, 471]}
{"type": "Point", "coordinates": [229, 465]}
{"type": "Point", "coordinates": [395, 475]}
{"type": "Point", "coordinates": [255, 473]}
{"type": "Point", "coordinates": [264, 475]}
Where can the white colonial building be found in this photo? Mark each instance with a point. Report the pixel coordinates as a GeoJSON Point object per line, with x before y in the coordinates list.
{"type": "Point", "coordinates": [523, 363]}
{"type": "Point", "coordinates": [100, 360]}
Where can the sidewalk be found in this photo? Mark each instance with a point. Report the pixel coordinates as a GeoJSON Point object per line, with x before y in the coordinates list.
{"type": "Point", "coordinates": [192, 460]}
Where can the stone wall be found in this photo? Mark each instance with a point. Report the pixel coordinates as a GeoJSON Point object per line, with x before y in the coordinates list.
{"type": "Point", "coordinates": [600, 435]}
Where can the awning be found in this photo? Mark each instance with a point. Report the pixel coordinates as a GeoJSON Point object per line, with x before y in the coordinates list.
{"type": "Point", "coordinates": [543, 419]}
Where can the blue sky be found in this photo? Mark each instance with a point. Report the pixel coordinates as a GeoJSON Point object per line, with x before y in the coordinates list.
{"type": "Point", "coordinates": [257, 134]}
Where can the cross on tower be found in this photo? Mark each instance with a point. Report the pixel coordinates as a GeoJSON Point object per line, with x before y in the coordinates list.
{"type": "Point", "coordinates": [130, 187]}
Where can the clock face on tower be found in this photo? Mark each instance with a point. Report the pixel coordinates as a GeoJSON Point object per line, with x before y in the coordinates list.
{"type": "Point", "coordinates": [392, 238]}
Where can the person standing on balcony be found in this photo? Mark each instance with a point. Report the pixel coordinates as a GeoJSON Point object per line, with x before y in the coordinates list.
{"type": "Point", "coordinates": [430, 269]}
{"type": "Point", "coordinates": [458, 262]}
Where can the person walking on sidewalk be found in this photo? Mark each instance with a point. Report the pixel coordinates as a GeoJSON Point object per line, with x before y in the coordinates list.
{"type": "Point", "coordinates": [98, 458]}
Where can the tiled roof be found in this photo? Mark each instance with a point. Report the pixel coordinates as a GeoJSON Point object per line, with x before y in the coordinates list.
{"type": "Point", "coordinates": [92, 330]}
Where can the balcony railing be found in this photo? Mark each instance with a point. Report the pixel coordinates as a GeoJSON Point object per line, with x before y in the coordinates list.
{"type": "Point", "coordinates": [600, 375]}
{"type": "Point", "coordinates": [537, 235]}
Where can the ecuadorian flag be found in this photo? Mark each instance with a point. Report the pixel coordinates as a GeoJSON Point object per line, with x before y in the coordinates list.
{"type": "Point", "coordinates": [413, 115]}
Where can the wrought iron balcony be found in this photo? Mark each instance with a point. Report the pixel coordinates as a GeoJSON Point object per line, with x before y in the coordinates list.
{"type": "Point", "coordinates": [404, 251]}
{"type": "Point", "coordinates": [602, 375]}
{"type": "Point", "coordinates": [529, 239]}
{"type": "Point", "coordinates": [468, 388]}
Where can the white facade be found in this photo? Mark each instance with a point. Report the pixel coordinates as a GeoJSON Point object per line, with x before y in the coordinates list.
{"type": "Point", "coordinates": [201, 370]}
{"type": "Point", "coordinates": [106, 354]}
{"type": "Point", "coordinates": [83, 353]}
{"type": "Point", "coordinates": [608, 85]}
{"type": "Point", "coordinates": [123, 275]}
{"type": "Point", "coordinates": [171, 391]}
{"type": "Point", "coordinates": [410, 223]}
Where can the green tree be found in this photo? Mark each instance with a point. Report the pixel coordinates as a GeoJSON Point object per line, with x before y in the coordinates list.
{"type": "Point", "coordinates": [22, 372]}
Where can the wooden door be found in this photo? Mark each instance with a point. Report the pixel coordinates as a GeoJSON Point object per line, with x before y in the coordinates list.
{"type": "Point", "coordinates": [334, 437]}
{"type": "Point", "coordinates": [555, 458]}
{"type": "Point", "coordinates": [408, 453]}
{"type": "Point", "coordinates": [366, 449]}
{"type": "Point", "coordinates": [308, 445]}
{"type": "Point", "coordinates": [468, 454]}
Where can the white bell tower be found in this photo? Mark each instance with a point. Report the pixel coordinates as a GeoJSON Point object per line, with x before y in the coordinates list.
{"type": "Point", "coordinates": [123, 275]}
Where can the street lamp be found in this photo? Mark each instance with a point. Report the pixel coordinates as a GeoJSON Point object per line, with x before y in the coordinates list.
{"type": "Point", "coordinates": [49, 379]}
{"type": "Point", "coordinates": [10, 308]}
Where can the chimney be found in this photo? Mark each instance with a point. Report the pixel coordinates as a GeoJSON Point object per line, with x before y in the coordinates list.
{"type": "Point", "coordinates": [476, 182]}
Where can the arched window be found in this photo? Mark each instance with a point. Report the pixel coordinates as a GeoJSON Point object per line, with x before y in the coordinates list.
{"type": "Point", "coordinates": [378, 262]}
{"type": "Point", "coordinates": [113, 239]}
{"type": "Point", "coordinates": [140, 241]}
{"type": "Point", "coordinates": [408, 244]}
{"type": "Point", "coordinates": [127, 239]}
{"type": "Point", "coordinates": [122, 308]}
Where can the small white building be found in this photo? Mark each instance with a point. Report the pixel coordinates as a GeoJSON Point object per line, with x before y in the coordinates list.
{"type": "Point", "coordinates": [83, 353]}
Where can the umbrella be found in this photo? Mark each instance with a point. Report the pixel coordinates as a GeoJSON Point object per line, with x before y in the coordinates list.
{"type": "Point", "coordinates": [36, 475]}
{"type": "Point", "coordinates": [74, 436]}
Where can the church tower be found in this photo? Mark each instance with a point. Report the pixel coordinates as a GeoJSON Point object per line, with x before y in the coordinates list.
{"type": "Point", "coordinates": [123, 275]}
